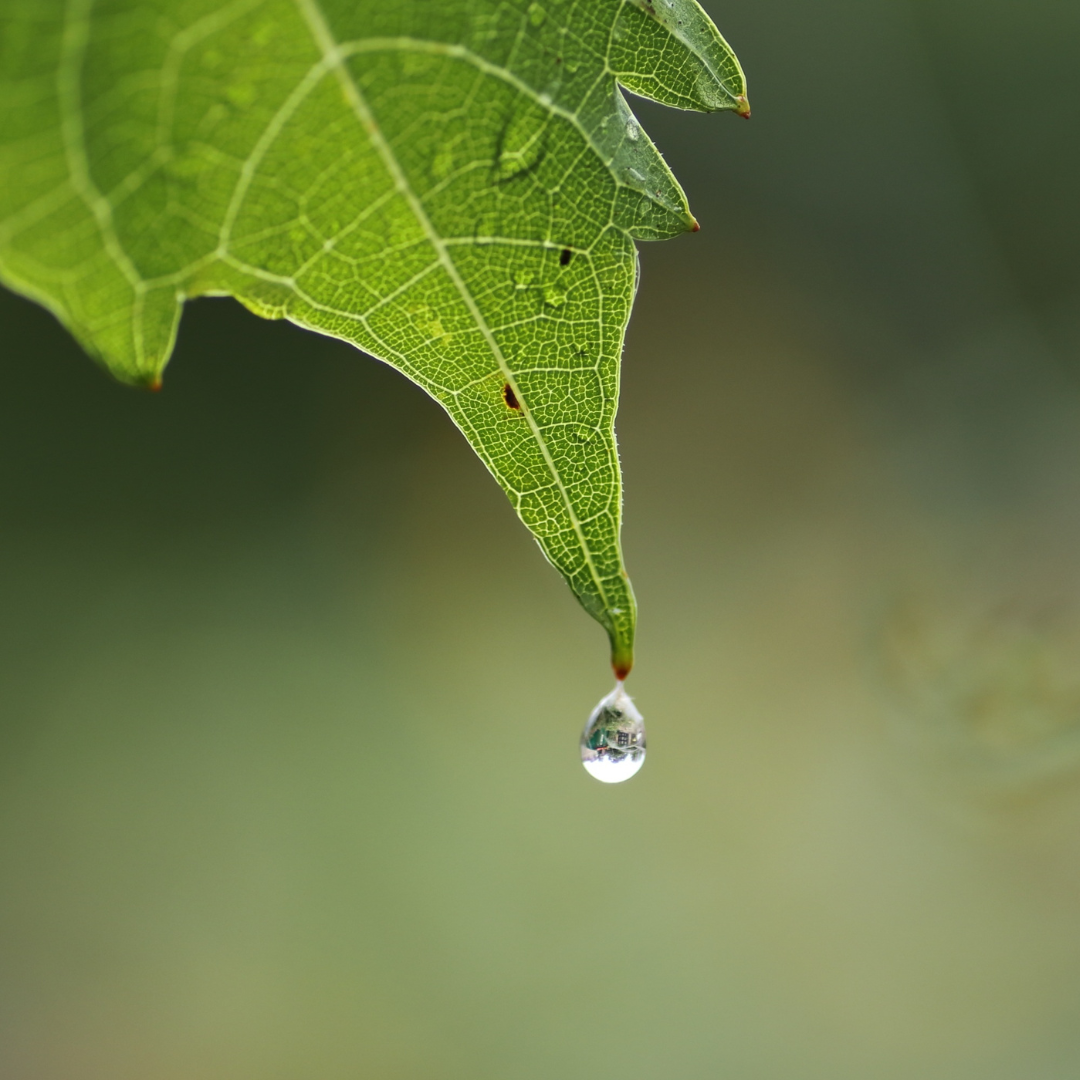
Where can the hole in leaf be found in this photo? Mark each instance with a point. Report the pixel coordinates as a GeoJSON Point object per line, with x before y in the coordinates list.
{"type": "Point", "coordinates": [564, 258]}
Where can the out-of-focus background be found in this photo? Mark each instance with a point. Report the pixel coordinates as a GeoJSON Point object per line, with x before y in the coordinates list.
{"type": "Point", "coordinates": [289, 701]}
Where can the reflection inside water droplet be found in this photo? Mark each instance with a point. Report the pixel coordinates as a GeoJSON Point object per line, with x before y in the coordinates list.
{"type": "Point", "coordinates": [613, 742]}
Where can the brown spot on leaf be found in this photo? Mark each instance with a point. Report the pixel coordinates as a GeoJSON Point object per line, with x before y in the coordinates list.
{"type": "Point", "coordinates": [564, 258]}
{"type": "Point", "coordinates": [509, 397]}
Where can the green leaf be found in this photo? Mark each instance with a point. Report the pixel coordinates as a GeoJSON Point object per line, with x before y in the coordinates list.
{"type": "Point", "coordinates": [452, 185]}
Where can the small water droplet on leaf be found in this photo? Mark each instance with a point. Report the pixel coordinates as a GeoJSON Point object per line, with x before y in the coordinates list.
{"type": "Point", "coordinates": [522, 145]}
{"type": "Point", "coordinates": [613, 742]}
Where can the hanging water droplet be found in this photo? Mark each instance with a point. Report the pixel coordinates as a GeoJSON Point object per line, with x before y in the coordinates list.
{"type": "Point", "coordinates": [613, 742]}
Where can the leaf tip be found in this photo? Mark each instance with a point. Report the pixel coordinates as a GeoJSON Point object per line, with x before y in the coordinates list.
{"type": "Point", "coordinates": [742, 106]}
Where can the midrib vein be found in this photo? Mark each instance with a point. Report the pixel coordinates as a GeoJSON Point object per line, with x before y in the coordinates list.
{"type": "Point", "coordinates": [331, 51]}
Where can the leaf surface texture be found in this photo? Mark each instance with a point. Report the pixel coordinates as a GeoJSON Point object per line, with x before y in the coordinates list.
{"type": "Point", "coordinates": [454, 186]}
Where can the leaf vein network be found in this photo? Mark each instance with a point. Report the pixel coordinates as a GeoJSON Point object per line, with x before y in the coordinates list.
{"type": "Point", "coordinates": [334, 56]}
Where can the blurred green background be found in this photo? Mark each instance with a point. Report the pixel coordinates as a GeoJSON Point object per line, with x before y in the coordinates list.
{"type": "Point", "coordinates": [289, 701]}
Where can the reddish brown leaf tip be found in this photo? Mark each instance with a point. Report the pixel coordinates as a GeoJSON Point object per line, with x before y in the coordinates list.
{"type": "Point", "coordinates": [695, 227]}
{"type": "Point", "coordinates": [154, 385]}
{"type": "Point", "coordinates": [742, 106]}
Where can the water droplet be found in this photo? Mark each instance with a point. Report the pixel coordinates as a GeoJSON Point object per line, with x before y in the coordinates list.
{"type": "Point", "coordinates": [522, 144]}
{"type": "Point", "coordinates": [613, 742]}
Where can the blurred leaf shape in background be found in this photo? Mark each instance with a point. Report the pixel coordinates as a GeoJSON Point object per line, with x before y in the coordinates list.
{"type": "Point", "coordinates": [455, 188]}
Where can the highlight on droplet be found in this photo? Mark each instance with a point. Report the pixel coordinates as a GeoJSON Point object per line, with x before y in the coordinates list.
{"type": "Point", "coordinates": [613, 742]}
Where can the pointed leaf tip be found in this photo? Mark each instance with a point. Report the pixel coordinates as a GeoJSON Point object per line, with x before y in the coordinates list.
{"type": "Point", "coordinates": [388, 120]}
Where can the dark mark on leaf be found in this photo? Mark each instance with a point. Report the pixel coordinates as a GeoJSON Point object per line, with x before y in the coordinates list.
{"type": "Point", "coordinates": [509, 398]}
{"type": "Point", "coordinates": [564, 258]}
